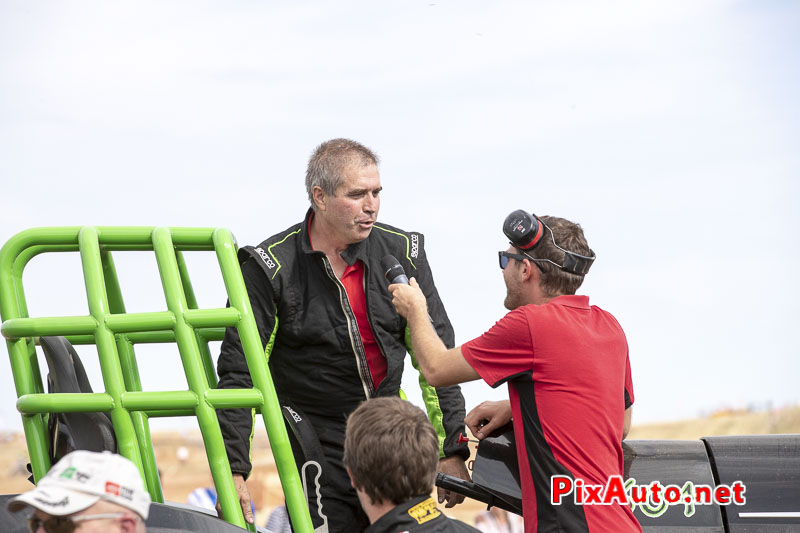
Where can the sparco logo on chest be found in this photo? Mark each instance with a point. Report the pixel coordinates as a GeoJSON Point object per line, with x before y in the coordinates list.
{"type": "Point", "coordinates": [265, 256]}
{"type": "Point", "coordinates": [414, 245]}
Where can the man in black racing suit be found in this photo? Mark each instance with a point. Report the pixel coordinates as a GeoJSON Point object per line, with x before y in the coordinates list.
{"type": "Point", "coordinates": [332, 336]}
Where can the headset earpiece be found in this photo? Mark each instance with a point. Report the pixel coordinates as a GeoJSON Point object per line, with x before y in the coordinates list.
{"type": "Point", "coordinates": [523, 229]}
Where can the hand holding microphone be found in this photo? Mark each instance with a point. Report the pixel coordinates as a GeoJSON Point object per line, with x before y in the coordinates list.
{"type": "Point", "coordinates": [407, 297]}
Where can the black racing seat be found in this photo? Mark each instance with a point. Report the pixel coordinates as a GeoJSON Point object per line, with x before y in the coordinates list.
{"type": "Point", "coordinates": [73, 431]}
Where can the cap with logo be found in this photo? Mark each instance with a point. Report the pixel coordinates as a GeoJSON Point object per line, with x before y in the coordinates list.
{"type": "Point", "coordinates": [83, 478]}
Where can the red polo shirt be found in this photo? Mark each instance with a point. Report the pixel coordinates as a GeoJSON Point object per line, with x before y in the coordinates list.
{"type": "Point", "coordinates": [569, 380]}
{"type": "Point", "coordinates": [353, 281]}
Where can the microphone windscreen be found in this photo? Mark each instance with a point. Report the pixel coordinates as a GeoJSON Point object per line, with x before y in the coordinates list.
{"type": "Point", "coordinates": [393, 270]}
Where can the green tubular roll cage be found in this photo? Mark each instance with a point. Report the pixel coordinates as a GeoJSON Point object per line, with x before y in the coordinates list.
{"type": "Point", "coordinates": [115, 332]}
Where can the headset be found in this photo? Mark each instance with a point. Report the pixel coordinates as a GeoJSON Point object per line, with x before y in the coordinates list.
{"type": "Point", "coordinates": [526, 230]}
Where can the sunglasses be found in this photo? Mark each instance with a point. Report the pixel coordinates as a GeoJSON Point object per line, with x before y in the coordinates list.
{"type": "Point", "coordinates": [62, 524]}
{"type": "Point", "coordinates": [505, 256]}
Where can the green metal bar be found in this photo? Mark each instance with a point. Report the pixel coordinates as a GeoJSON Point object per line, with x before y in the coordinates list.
{"type": "Point", "coordinates": [65, 403]}
{"type": "Point", "coordinates": [262, 380]}
{"type": "Point", "coordinates": [48, 236]}
{"type": "Point", "coordinates": [116, 304]}
{"type": "Point", "coordinates": [196, 378]}
{"type": "Point", "coordinates": [211, 334]}
{"type": "Point", "coordinates": [76, 339]}
{"type": "Point", "coordinates": [106, 344]}
{"type": "Point", "coordinates": [17, 328]}
{"type": "Point", "coordinates": [151, 337]}
{"type": "Point", "coordinates": [152, 477]}
{"type": "Point", "coordinates": [154, 337]}
{"type": "Point", "coordinates": [34, 428]}
{"type": "Point", "coordinates": [119, 322]}
{"type": "Point", "coordinates": [232, 398]}
{"type": "Point", "coordinates": [168, 413]}
{"type": "Point", "coordinates": [20, 356]}
{"type": "Point", "coordinates": [111, 237]}
{"type": "Point", "coordinates": [19, 265]}
{"type": "Point", "coordinates": [36, 374]}
{"type": "Point", "coordinates": [147, 400]}
{"type": "Point", "coordinates": [141, 426]}
{"type": "Point", "coordinates": [130, 371]}
{"type": "Point", "coordinates": [183, 238]}
{"type": "Point", "coordinates": [191, 302]}
{"type": "Point", "coordinates": [127, 358]}
{"type": "Point", "coordinates": [155, 321]}
{"type": "Point", "coordinates": [204, 318]}
{"type": "Point", "coordinates": [20, 262]}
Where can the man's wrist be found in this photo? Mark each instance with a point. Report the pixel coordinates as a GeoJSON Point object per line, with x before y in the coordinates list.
{"type": "Point", "coordinates": [418, 315]}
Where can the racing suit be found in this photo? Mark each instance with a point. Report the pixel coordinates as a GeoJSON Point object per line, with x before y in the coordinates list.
{"type": "Point", "coordinates": [317, 360]}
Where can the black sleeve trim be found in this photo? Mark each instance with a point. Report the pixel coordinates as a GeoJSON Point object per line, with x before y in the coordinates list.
{"type": "Point", "coordinates": [526, 375]}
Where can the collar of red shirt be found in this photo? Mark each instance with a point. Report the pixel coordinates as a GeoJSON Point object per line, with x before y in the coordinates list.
{"type": "Point", "coordinates": [572, 300]}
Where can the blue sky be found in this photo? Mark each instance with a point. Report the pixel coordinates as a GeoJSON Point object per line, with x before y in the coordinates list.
{"type": "Point", "coordinates": [669, 130]}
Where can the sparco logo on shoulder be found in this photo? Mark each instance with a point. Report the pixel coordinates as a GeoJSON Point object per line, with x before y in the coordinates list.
{"type": "Point", "coordinates": [265, 256]}
{"type": "Point", "coordinates": [414, 245]}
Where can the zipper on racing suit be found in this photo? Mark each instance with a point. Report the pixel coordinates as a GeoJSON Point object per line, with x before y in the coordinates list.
{"type": "Point", "coordinates": [364, 283]}
{"type": "Point", "coordinates": [352, 330]}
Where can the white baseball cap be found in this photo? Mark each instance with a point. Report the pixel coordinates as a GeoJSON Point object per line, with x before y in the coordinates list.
{"type": "Point", "coordinates": [83, 478]}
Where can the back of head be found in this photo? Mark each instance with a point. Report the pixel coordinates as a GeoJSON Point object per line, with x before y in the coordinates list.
{"type": "Point", "coordinates": [567, 235]}
{"type": "Point", "coordinates": [392, 450]}
{"type": "Point", "coordinates": [329, 161]}
{"type": "Point", "coordinates": [82, 479]}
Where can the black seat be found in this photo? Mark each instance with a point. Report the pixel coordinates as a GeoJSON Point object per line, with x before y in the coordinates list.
{"type": "Point", "coordinates": [73, 431]}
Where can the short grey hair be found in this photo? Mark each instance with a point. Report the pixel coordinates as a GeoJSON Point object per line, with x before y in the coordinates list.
{"type": "Point", "coordinates": [329, 161]}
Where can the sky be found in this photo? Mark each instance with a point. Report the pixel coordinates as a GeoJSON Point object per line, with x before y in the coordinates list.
{"type": "Point", "coordinates": [668, 130]}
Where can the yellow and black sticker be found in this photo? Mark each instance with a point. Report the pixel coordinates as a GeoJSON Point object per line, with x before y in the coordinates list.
{"type": "Point", "coordinates": [424, 511]}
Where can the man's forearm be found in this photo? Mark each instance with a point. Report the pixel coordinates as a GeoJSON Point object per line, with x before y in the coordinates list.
{"type": "Point", "coordinates": [425, 342]}
{"type": "Point", "coordinates": [440, 366]}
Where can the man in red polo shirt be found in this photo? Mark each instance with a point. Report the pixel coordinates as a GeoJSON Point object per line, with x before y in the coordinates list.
{"type": "Point", "coordinates": [566, 365]}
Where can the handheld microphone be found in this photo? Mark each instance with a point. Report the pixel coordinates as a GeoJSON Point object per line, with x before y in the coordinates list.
{"type": "Point", "coordinates": [393, 270]}
{"type": "Point", "coordinates": [394, 273]}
